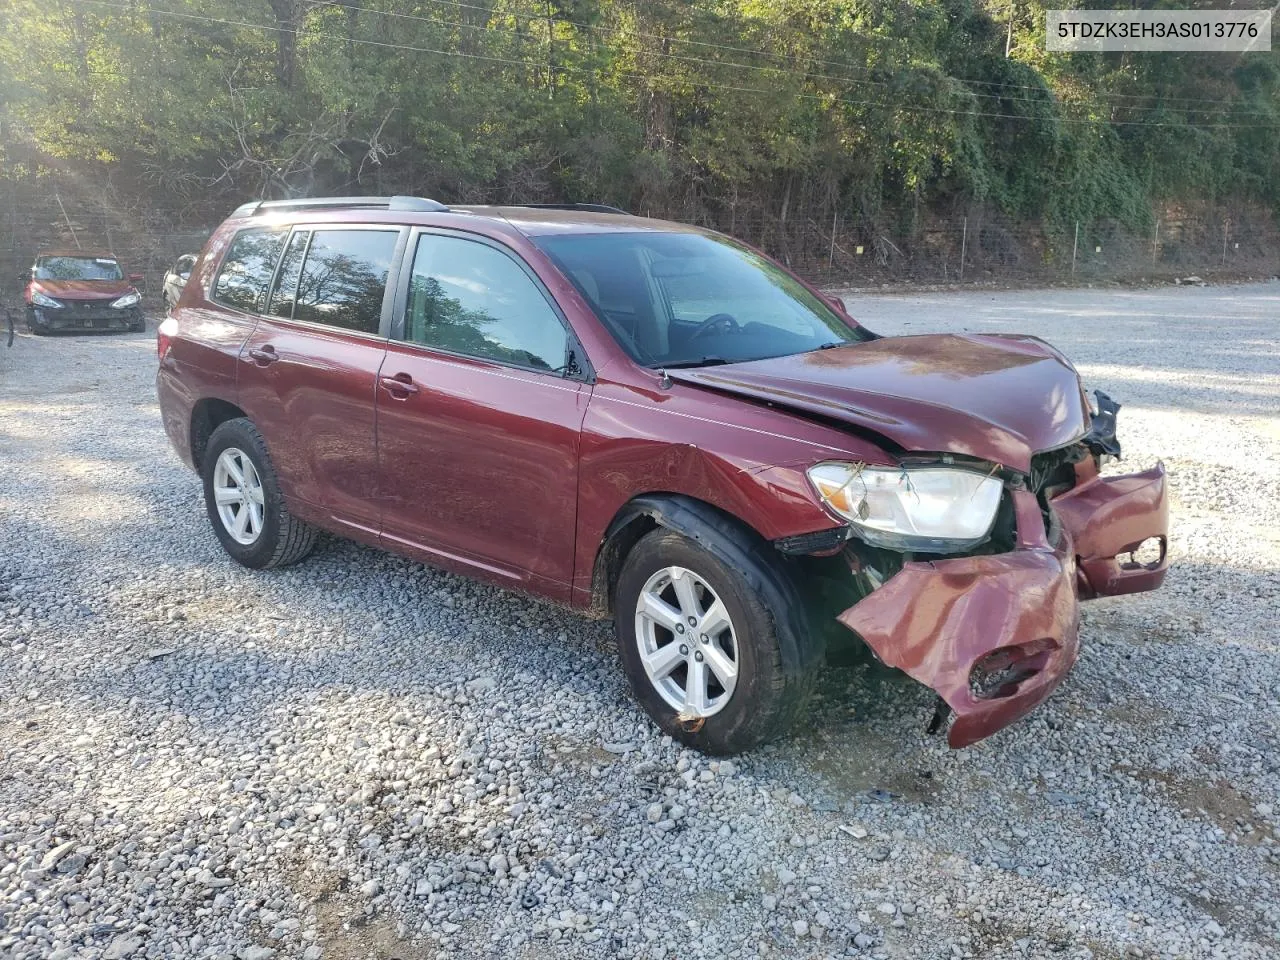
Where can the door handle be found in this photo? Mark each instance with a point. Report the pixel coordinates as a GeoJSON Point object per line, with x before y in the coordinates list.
{"type": "Point", "coordinates": [264, 355]}
{"type": "Point", "coordinates": [401, 386]}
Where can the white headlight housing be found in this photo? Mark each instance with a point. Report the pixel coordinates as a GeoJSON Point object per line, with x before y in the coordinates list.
{"type": "Point", "coordinates": [917, 509]}
{"type": "Point", "coordinates": [128, 300]}
{"type": "Point", "coordinates": [44, 300]}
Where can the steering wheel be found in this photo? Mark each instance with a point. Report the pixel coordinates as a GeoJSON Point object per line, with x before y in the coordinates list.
{"type": "Point", "coordinates": [716, 323]}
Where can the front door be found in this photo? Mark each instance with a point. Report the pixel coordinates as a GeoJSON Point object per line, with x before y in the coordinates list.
{"type": "Point", "coordinates": [308, 373]}
{"type": "Point", "coordinates": [480, 407]}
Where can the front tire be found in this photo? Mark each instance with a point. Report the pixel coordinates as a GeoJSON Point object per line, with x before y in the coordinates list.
{"type": "Point", "coordinates": [244, 503]}
{"type": "Point", "coordinates": [701, 650]}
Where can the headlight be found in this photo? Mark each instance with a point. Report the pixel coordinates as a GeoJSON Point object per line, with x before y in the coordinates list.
{"type": "Point", "coordinates": [128, 300]}
{"type": "Point", "coordinates": [43, 300]}
{"type": "Point", "coordinates": [919, 509]}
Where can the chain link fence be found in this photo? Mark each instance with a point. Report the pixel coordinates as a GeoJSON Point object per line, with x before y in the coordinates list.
{"type": "Point", "coordinates": [833, 251]}
{"type": "Point", "coordinates": [991, 250]}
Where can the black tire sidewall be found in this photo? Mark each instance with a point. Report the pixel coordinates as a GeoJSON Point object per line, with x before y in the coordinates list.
{"type": "Point", "coordinates": [747, 719]}
{"type": "Point", "coordinates": [241, 434]}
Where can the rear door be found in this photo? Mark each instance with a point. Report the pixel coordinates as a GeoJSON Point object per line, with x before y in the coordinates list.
{"type": "Point", "coordinates": [480, 406]}
{"type": "Point", "coordinates": [308, 372]}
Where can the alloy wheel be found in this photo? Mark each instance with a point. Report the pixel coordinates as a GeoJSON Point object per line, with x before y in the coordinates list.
{"type": "Point", "coordinates": [238, 496]}
{"type": "Point", "coordinates": [687, 642]}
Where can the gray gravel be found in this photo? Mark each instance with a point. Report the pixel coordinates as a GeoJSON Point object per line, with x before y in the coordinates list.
{"type": "Point", "coordinates": [363, 757]}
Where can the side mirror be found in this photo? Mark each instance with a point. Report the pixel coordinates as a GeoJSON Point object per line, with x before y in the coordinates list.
{"type": "Point", "coordinates": [24, 277]}
{"type": "Point", "coordinates": [136, 278]}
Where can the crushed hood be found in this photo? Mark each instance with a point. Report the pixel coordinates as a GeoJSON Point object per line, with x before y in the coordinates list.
{"type": "Point", "coordinates": [997, 398]}
{"type": "Point", "coordinates": [83, 289]}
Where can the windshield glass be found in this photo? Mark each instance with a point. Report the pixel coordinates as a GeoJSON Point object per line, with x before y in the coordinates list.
{"type": "Point", "coordinates": [685, 299]}
{"type": "Point", "coordinates": [77, 268]}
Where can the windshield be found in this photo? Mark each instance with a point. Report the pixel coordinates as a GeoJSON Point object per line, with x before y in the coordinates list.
{"type": "Point", "coordinates": [77, 268]}
{"type": "Point", "coordinates": [686, 299]}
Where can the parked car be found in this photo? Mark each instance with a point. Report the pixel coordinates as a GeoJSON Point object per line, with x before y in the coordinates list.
{"type": "Point", "coordinates": [175, 279]}
{"type": "Point", "coordinates": [81, 290]}
{"type": "Point", "coordinates": [656, 423]}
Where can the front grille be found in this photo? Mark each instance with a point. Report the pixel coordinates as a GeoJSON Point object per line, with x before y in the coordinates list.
{"type": "Point", "coordinates": [89, 310]}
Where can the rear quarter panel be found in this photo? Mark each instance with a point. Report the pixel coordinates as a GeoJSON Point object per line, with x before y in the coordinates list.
{"type": "Point", "coordinates": [202, 359]}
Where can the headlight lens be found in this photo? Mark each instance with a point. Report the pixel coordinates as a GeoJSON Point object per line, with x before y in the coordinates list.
{"type": "Point", "coordinates": [128, 300]}
{"type": "Point", "coordinates": [44, 300]}
{"type": "Point", "coordinates": [919, 509]}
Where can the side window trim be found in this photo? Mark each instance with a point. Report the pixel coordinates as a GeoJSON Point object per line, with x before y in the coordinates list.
{"type": "Point", "coordinates": [400, 306]}
{"type": "Point", "coordinates": [272, 291]}
{"type": "Point", "coordinates": [222, 264]}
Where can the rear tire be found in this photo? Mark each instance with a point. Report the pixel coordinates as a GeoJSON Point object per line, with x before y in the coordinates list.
{"type": "Point", "coordinates": [249, 516]}
{"type": "Point", "coordinates": [34, 325]}
{"type": "Point", "coordinates": [766, 698]}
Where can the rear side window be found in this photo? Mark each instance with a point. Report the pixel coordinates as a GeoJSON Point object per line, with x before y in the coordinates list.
{"type": "Point", "coordinates": [343, 278]}
{"type": "Point", "coordinates": [247, 268]}
{"type": "Point", "coordinates": [466, 297]}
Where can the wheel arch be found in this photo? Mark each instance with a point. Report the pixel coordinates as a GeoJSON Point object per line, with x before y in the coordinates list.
{"type": "Point", "coordinates": [206, 416]}
{"type": "Point", "coordinates": [734, 543]}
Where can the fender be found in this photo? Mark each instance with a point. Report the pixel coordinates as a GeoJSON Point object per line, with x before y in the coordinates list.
{"type": "Point", "coordinates": [731, 542]}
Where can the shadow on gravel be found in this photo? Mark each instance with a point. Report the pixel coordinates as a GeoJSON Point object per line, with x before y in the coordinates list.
{"type": "Point", "coordinates": [1196, 391]}
{"type": "Point", "coordinates": [1220, 347]}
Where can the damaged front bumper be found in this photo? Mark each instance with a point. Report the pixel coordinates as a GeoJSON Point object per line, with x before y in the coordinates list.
{"type": "Point", "coordinates": [92, 316]}
{"type": "Point", "coordinates": [994, 634]}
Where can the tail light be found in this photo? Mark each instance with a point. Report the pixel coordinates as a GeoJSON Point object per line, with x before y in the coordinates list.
{"type": "Point", "coordinates": [165, 333]}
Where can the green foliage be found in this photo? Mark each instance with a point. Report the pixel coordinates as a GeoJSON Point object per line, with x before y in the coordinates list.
{"type": "Point", "coordinates": [712, 110]}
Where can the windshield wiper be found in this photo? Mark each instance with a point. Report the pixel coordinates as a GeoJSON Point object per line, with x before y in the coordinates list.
{"type": "Point", "coordinates": [700, 362]}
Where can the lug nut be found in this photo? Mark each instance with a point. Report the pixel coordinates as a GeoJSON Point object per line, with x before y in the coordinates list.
{"type": "Point", "coordinates": [704, 638]}
{"type": "Point", "coordinates": [684, 651]}
{"type": "Point", "coordinates": [693, 621]}
{"type": "Point", "coordinates": [679, 628]}
{"type": "Point", "coordinates": [698, 656]}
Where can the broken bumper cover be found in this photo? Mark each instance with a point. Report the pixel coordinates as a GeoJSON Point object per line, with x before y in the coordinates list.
{"type": "Point", "coordinates": [1110, 519]}
{"type": "Point", "coordinates": [85, 317]}
{"type": "Point", "coordinates": [993, 635]}
{"type": "Point", "coordinates": [940, 622]}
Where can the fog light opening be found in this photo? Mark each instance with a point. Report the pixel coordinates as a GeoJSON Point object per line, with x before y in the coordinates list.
{"type": "Point", "coordinates": [1147, 555]}
{"type": "Point", "coordinates": [1002, 671]}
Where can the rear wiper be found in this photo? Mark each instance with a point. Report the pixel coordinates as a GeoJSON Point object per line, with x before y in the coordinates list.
{"type": "Point", "coordinates": [701, 362]}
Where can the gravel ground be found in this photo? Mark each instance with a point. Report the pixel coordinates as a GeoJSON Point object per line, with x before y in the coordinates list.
{"type": "Point", "coordinates": [362, 757]}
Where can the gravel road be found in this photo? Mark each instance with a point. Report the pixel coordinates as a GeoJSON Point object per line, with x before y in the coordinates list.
{"type": "Point", "coordinates": [362, 757]}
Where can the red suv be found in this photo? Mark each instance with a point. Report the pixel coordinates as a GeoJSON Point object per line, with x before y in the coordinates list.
{"type": "Point", "coordinates": [81, 290]}
{"type": "Point", "coordinates": [656, 423]}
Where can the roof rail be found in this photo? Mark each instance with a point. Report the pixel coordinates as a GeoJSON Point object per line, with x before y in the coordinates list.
{"type": "Point", "coordinates": [395, 204]}
{"type": "Point", "coordinates": [585, 207]}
